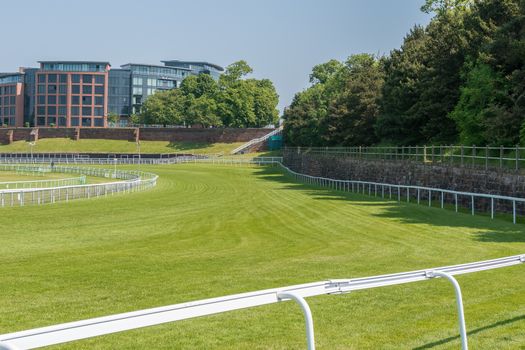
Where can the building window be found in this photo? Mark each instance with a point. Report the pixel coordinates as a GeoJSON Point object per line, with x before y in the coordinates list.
{"type": "Point", "coordinates": [99, 79]}
{"type": "Point", "coordinates": [137, 81]}
{"type": "Point", "coordinates": [62, 121]}
{"type": "Point", "coordinates": [51, 89]}
{"type": "Point", "coordinates": [99, 122]}
{"type": "Point", "coordinates": [41, 89]}
{"type": "Point", "coordinates": [62, 111]}
{"type": "Point", "coordinates": [99, 90]}
{"type": "Point", "coordinates": [86, 111]}
{"type": "Point", "coordinates": [41, 121]}
{"type": "Point", "coordinates": [86, 122]}
{"type": "Point", "coordinates": [51, 78]}
{"type": "Point", "coordinates": [75, 78]}
{"type": "Point", "coordinates": [75, 111]}
{"type": "Point", "coordinates": [51, 100]}
{"type": "Point", "coordinates": [41, 78]}
{"type": "Point", "coordinates": [51, 110]}
{"type": "Point", "coordinates": [75, 89]}
{"type": "Point", "coordinates": [99, 111]}
{"type": "Point", "coordinates": [75, 100]}
{"type": "Point", "coordinates": [86, 89]}
{"type": "Point", "coordinates": [41, 110]}
{"type": "Point", "coordinates": [74, 121]}
{"type": "Point", "coordinates": [41, 99]}
{"type": "Point", "coordinates": [62, 99]}
{"type": "Point", "coordinates": [87, 79]}
{"type": "Point", "coordinates": [63, 78]}
{"type": "Point", "coordinates": [51, 120]}
{"type": "Point", "coordinates": [99, 100]}
{"type": "Point", "coordinates": [62, 89]}
{"type": "Point", "coordinates": [87, 100]}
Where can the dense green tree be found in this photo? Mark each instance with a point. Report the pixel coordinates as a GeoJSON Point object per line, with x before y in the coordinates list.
{"type": "Point", "coordinates": [164, 107]}
{"type": "Point", "coordinates": [401, 91]}
{"type": "Point", "coordinates": [233, 101]}
{"type": "Point", "coordinates": [353, 113]}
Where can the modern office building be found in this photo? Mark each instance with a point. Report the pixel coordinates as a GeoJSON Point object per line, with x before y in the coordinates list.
{"type": "Point", "coordinates": [11, 99]}
{"type": "Point", "coordinates": [83, 93]}
{"type": "Point", "coordinates": [197, 67]}
{"type": "Point", "coordinates": [147, 79]}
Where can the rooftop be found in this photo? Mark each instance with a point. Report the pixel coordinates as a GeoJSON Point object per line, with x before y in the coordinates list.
{"type": "Point", "coordinates": [200, 63]}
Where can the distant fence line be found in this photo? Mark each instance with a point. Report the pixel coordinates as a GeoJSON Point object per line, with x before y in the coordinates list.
{"type": "Point", "coordinates": [475, 203]}
{"type": "Point", "coordinates": [131, 181]}
{"type": "Point", "coordinates": [487, 157]}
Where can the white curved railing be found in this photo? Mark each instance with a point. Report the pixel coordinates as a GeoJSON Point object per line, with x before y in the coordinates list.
{"type": "Point", "coordinates": [72, 331]}
{"type": "Point", "coordinates": [131, 181]}
{"type": "Point", "coordinates": [43, 183]}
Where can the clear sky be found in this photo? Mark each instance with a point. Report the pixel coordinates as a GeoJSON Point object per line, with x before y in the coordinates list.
{"type": "Point", "coordinates": [281, 39]}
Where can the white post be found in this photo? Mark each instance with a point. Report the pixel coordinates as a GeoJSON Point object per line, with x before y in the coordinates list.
{"type": "Point", "coordinates": [310, 341]}
{"type": "Point", "coordinates": [459, 302]}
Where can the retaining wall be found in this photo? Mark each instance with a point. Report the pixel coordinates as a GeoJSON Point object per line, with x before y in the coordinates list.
{"type": "Point", "coordinates": [502, 182]}
{"type": "Point", "coordinates": [223, 135]}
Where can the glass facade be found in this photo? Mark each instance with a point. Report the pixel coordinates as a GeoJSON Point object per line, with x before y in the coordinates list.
{"type": "Point", "coordinates": [65, 93]}
{"type": "Point", "coordinates": [119, 99]}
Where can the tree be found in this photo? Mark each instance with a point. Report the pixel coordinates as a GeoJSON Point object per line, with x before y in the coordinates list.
{"type": "Point", "coordinates": [203, 111]}
{"type": "Point", "coordinates": [164, 107]}
{"type": "Point", "coordinates": [353, 113]}
{"type": "Point", "coordinates": [113, 118]}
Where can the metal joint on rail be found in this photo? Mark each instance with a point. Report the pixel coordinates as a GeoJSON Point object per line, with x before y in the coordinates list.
{"type": "Point", "coordinates": [522, 258]}
{"type": "Point", "coordinates": [339, 286]}
{"type": "Point", "coordinates": [430, 274]}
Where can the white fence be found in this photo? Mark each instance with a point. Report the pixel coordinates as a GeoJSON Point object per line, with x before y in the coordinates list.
{"type": "Point", "coordinates": [477, 202]}
{"type": "Point", "coordinates": [130, 181]}
{"type": "Point", "coordinates": [67, 332]}
{"type": "Point", "coordinates": [43, 183]}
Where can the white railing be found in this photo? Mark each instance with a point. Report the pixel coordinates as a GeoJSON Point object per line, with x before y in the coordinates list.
{"type": "Point", "coordinates": [43, 183]}
{"type": "Point", "coordinates": [131, 181]}
{"type": "Point", "coordinates": [256, 141]}
{"type": "Point", "coordinates": [72, 331]}
{"type": "Point", "coordinates": [408, 192]}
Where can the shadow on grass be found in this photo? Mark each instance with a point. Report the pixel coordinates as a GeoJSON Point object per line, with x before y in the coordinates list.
{"type": "Point", "coordinates": [497, 230]}
{"type": "Point", "coordinates": [472, 332]}
{"type": "Point", "coordinates": [183, 146]}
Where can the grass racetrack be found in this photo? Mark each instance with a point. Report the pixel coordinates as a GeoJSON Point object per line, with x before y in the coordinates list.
{"type": "Point", "coordinates": [62, 145]}
{"type": "Point", "coordinates": [209, 231]}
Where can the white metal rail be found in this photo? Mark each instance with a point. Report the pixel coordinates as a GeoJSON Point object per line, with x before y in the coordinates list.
{"type": "Point", "coordinates": [67, 332]}
{"type": "Point", "coordinates": [130, 181]}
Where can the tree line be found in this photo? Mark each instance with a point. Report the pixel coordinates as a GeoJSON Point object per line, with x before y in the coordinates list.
{"type": "Point", "coordinates": [232, 101]}
{"type": "Point", "coordinates": [458, 79]}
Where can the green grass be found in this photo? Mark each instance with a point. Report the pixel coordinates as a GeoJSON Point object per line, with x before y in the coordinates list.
{"type": "Point", "coordinates": [62, 145]}
{"type": "Point", "coordinates": [209, 231]}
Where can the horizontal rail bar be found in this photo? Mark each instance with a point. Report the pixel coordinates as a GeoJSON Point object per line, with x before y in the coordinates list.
{"type": "Point", "coordinates": [72, 331]}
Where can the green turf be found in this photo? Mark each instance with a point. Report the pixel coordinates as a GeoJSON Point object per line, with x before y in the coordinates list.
{"type": "Point", "coordinates": [62, 145]}
{"type": "Point", "coordinates": [209, 231]}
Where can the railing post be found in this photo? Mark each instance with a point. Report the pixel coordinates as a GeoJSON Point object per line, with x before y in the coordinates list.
{"type": "Point", "coordinates": [517, 157]}
{"type": "Point", "coordinates": [310, 340]}
{"type": "Point", "coordinates": [459, 303]}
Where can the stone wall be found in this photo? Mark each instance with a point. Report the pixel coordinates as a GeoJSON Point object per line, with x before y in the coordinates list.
{"type": "Point", "coordinates": [501, 182]}
{"type": "Point", "coordinates": [222, 135]}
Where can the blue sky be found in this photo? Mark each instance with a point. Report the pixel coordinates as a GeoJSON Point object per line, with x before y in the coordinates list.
{"type": "Point", "coordinates": [280, 39]}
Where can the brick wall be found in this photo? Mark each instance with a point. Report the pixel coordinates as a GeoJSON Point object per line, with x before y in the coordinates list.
{"type": "Point", "coordinates": [223, 135]}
